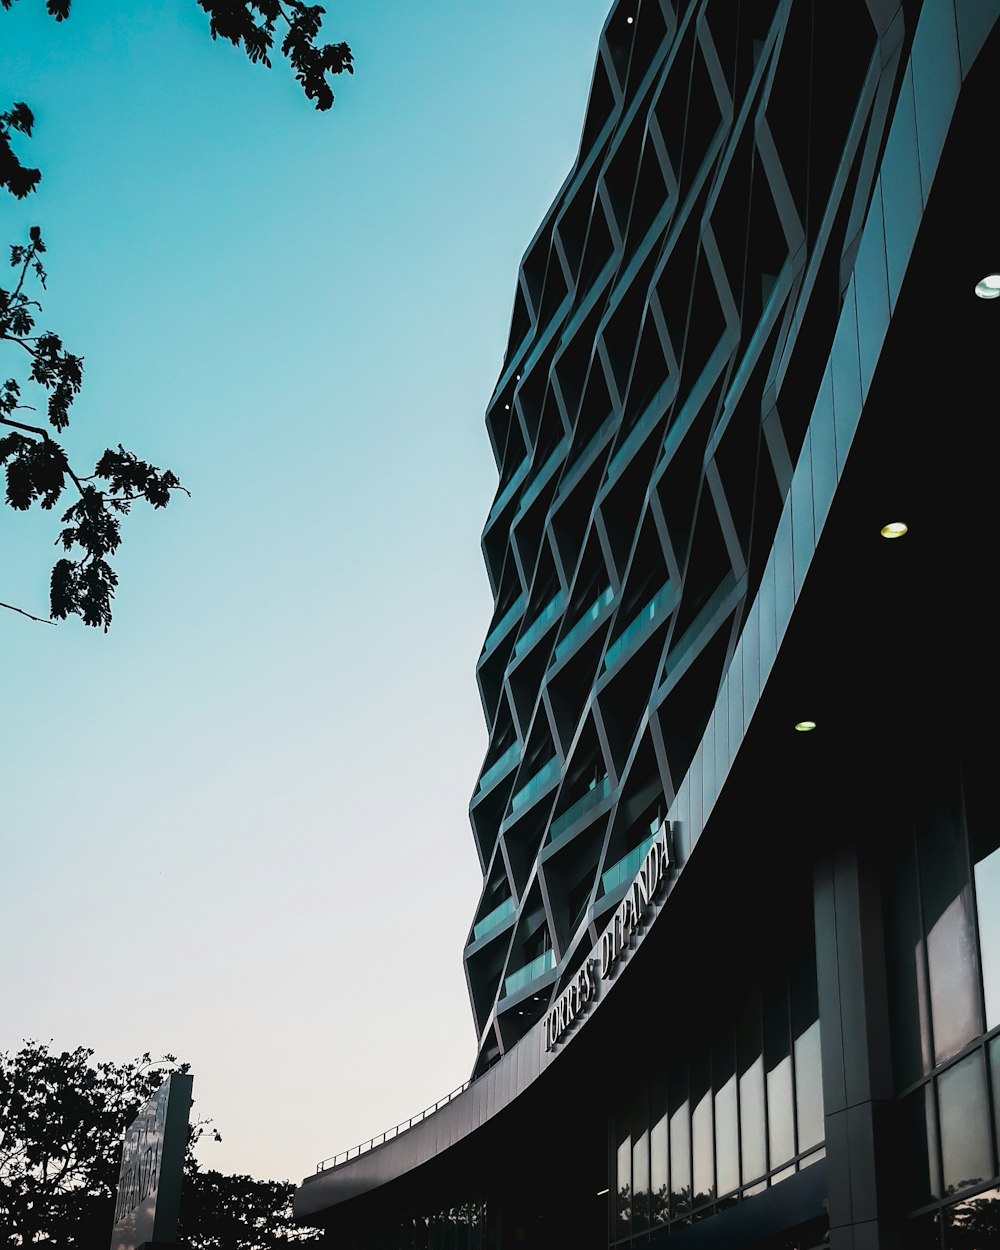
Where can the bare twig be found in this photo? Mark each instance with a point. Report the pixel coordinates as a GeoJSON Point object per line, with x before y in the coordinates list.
{"type": "Point", "coordinates": [40, 619]}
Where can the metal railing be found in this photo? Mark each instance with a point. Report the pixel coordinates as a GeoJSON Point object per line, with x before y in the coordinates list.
{"type": "Point", "coordinates": [493, 919]}
{"type": "Point", "coordinates": [535, 785]}
{"type": "Point", "coordinates": [654, 611]}
{"type": "Point", "coordinates": [627, 866]}
{"type": "Point", "coordinates": [599, 790]}
{"type": "Point", "coordinates": [596, 611]}
{"type": "Point", "coordinates": [539, 625]}
{"type": "Point", "coordinates": [336, 1160]}
{"type": "Point", "coordinates": [512, 614]}
{"type": "Point", "coordinates": [530, 971]}
{"type": "Point", "coordinates": [496, 772]}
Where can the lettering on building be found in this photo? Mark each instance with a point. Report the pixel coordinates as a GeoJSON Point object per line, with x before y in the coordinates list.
{"type": "Point", "coordinates": [632, 909]}
{"type": "Point", "coordinates": [629, 917]}
{"type": "Point", "coordinates": [570, 1003]}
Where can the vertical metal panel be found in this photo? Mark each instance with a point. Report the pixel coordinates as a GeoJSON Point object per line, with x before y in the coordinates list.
{"type": "Point", "coordinates": [846, 377]}
{"type": "Point", "coordinates": [872, 286]}
{"type": "Point", "coordinates": [937, 79]}
{"type": "Point", "coordinates": [901, 194]}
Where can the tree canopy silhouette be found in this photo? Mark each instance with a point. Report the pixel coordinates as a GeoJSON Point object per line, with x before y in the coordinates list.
{"type": "Point", "coordinates": [36, 463]}
{"type": "Point", "coordinates": [62, 1120]}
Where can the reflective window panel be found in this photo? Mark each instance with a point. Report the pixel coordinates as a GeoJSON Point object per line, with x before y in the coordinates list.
{"type": "Point", "coordinates": [753, 1154]}
{"type": "Point", "coordinates": [965, 1130]}
{"type": "Point", "coordinates": [949, 929]}
{"type": "Point", "coordinates": [680, 1146]}
{"type": "Point", "coordinates": [702, 1154]}
{"type": "Point", "coordinates": [727, 1139]}
{"type": "Point", "coordinates": [778, 1063]}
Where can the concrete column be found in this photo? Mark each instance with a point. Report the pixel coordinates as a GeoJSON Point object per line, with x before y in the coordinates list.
{"type": "Point", "coordinates": [856, 1047]}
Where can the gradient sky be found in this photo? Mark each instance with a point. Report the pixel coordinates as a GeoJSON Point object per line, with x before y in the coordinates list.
{"type": "Point", "coordinates": [236, 827]}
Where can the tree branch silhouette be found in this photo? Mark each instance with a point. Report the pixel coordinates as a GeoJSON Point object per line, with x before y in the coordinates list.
{"type": "Point", "coordinates": [36, 465]}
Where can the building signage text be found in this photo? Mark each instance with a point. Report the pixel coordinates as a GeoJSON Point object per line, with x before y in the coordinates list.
{"type": "Point", "coordinates": [627, 920]}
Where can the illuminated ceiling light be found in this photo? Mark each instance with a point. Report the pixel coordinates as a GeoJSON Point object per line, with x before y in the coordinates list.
{"type": "Point", "coordinates": [895, 529]}
{"type": "Point", "coordinates": [988, 287]}
{"type": "Point", "coordinates": [506, 407]}
{"type": "Point", "coordinates": [805, 726]}
{"type": "Point", "coordinates": [601, 1193]}
{"type": "Point", "coordinates": [630, 20]}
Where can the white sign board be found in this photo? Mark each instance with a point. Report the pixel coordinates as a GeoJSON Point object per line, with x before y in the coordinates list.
{"type": "Point", "coordinates": [149, 1183]}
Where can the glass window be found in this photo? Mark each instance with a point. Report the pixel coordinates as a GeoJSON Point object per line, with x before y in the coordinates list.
{"type": "Point", "coordinates": [658, 1154]}
{"type": "Point", "coordinates": [975, 1223]}
{"type": "Point", "coordinates": [806, 1051]}
{"type": "Point", "coordinates": [751, 1083]}
{"type": "Point", "coordinates": [727, 1139]}
{"type": "Point", "coordinates": [995, 1083]}
{"type": "Point", "coordinates": [908, 976]}
{"type": "Point", "coordinates": [680, 1145]}
{"type": "Point", "coordinates": [640, 1165]}
{"type": "Point", "coordinates": [778, 1062]}
{"type": "Point", "coordinates": [965, 1130]}
{"type": "Point", "coordinates": [703, 1184]}
{"type": "Point", "coordinates": [435, 1236]}
{"type": "Point", "coordinates": [988, 909]}
{"type": "Point", "coordinates": [477, 1219]}
{"type": "Point", "coordinates": [623, 1177]}
{"type": "Point", "coordinates": [454, 1230]}
{"type": "Point", "coordinates": [984, 841]}
{"type": "Point", "coordinates": [918, 1171]}
{"type": "Point", "coordinates": [947, 903]}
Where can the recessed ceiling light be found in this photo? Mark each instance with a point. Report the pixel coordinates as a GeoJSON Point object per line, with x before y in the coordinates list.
{"type": "Point", "coordinates": [895, 529]}
{"type": "Point", "coordinates": [630, 20]}
{"type": "Point", "coordinates": [506, 407]}
{"type": "Point", "coordinates": [805, 726]}
{"type": "Point", "coordinates": [988, 287]}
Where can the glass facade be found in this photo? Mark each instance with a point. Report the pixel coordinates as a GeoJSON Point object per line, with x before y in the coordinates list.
{"type": "Point", "coordinates": [461, 1227]}
{"type": "Point", "coordinates": [942, 903]}
{"type": "Point", "coordinates": [738, 1113]}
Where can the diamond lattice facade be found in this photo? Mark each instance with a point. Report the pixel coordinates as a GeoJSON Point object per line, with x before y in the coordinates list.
{"type": "Point", "coordinates": [673, 320]}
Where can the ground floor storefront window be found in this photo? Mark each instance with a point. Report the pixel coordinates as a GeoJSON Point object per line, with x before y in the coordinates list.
{"type": "Point", "coordinates": [737, 1112]}
{"type": "Point", "coordinates": [942, 902]}
{"type": "Point", "coordinates": [461, 1227]}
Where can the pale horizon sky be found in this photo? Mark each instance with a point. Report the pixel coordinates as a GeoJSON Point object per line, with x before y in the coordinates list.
{"type": "Point", "coordinates": [235, 827]}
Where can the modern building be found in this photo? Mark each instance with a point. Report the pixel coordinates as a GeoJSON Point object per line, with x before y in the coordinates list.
{"type": "Point", "coordinates": [735, 969]}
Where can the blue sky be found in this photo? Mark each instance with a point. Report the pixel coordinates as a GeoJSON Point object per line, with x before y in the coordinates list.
{"type": "Point", "coordinates": [235, 827]}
